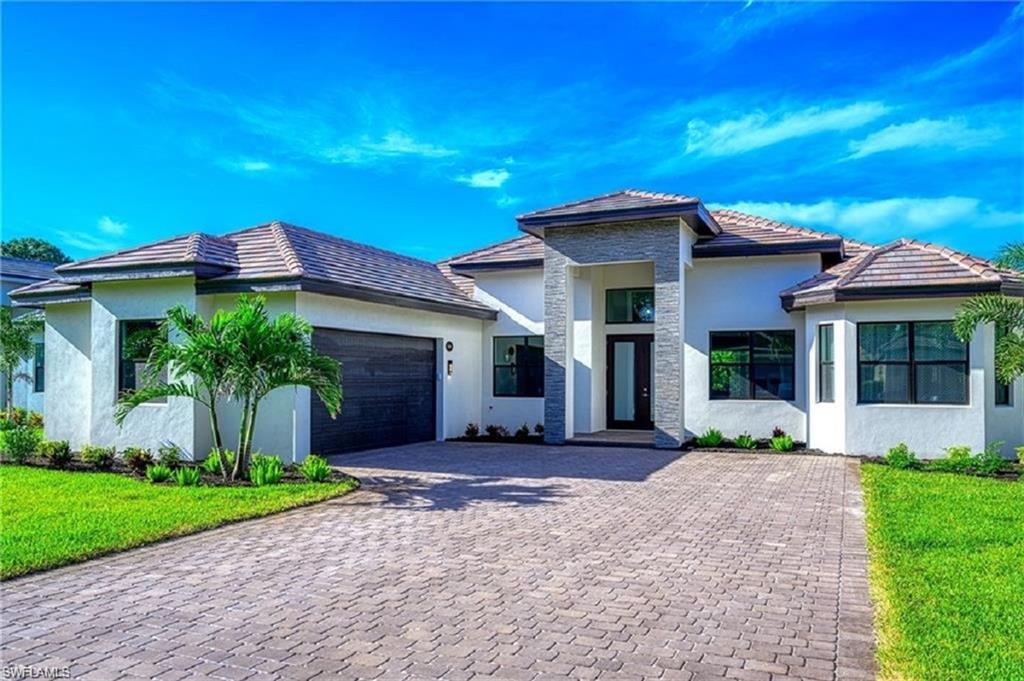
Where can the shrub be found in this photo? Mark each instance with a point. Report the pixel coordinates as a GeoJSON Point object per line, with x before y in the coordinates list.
{"type": "Point", "coordinates": [19, 416]}
{"type": "Point", "coordinates": [745, 441]}
{"type": "Point", "coordinates": [989, 461]}
{"type": "Point", "coordinates": [100, 458]}
{"type": "Point", "coordinates": [170, 456]}
{"type": "Point", "coordinates": [472, 431]}
{"type": "Point", "coordinates": [315, 469]}
{"type": "Point", "coordinates": [158, 473]}
{"type": "Point", "coordinates": [137, 459]}
{"type": "Point", "coordinates": [539, 428]}
{"type": "Point", "coordinates": [265, 470]}
{"type": "Point", "coordinates": [522, 433]}
{"type": "Point", "coordinates": [34, 420]}
{"type": "Point", "coordinates": [185, 476]}
{"type": "Point", "coordinates": [496, 432]}
{"type": "Point", "coordinates": [778, 432]}
{"type": "Point", "coordinates": [21, 442]}
{"type": "Point", "coordinates": [7, 424]}
{"type": "Point", "coordinates": [56, 452]}
{"type": "Point", "coordinates": [712, 437]}
{"type": "Point", "coordinates": [781, 443]}
{"type": "Point", "coordinates": [900, 456]}
{"type": "Point", "coordinates": [957, 460]}
{"type": "Point", "coordinates": [1020, 455]}
{"type": "Point", "coordinates": [211, 464]}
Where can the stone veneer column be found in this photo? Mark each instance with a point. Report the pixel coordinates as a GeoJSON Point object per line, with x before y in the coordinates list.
{"type": "Point", "coordinates": [669, 431]}
{"type": "Point", "coordinates": [556, 344]}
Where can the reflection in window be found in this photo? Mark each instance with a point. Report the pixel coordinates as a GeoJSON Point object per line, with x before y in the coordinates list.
{"type": "Point", "coordinates": [911, 363]}
{"type": "Point", "coordinates": [629, 306]}
{"type": "Point", "coordinates": [753, 365]}
{"type": "Point", "coordinates": [136, 339]}
{"type": "Point", "coordinates": [519, 366]}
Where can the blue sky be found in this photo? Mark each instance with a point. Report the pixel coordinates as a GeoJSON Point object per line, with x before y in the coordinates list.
{"type": "Point", "coordinates": [427, 128]}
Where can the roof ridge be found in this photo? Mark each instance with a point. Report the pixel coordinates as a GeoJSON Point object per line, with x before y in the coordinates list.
{"type": "Point", "coordinates": [865, 261]}
{"type": "Point", "coordinates": [647, 194]}
{"type": "Point", "coordinates": [284, 244]}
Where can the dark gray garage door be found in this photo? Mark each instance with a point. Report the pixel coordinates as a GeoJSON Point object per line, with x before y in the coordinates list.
{"type": "Point", "coordinates": [389, 387]}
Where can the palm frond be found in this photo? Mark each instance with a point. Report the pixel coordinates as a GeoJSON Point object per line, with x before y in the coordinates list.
{"type": "Point", "coordinates": [988, 309]}
{"type": "Point", "coordinates": [1011, 256]}
{"type": "Point", "coordinates": [133, 398]}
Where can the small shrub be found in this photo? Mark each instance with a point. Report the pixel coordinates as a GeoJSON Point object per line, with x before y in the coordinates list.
{"type": "Point", "coordinates": [170, 456]}
{"type": "Point", "coordinates": [781, 443]}
{"type": "Point", "coordinates": [21, 442]}
{"type": "Point", "coordinates": [539, 428]}
{"type": "Point", "coordinates": [957, 460]}
{"type": "Point", "coordinates": [34, 420]}
{"type": "Point", "coordinates": [100, 458]}
{"type": "Point", "coordinates": [137, 459]}
{"type": "Point", "coordinates": [315, 469]}
{"type": "Point", "coordinates": [472, 431]}
{"type": "Point", "coordinates": [265, 470]}
{"type": "Point", "coordinates": [56, 452]}
{"type": "Point", "coordinates": [158, 473]}
{"type": "Point", "coordinates": [745, 441]}
{"type": "Point", "coordinates": [19, 416]}
{"type": "Point", "coordinates": [211, 464]}
{"type": "Point", "coordinates": [7, 424]}
{"type": "Point", "coordinates": [778, 432]}
{"type": "Point", "coordinates": [901, 457]}
{"type": "Point", "coordinates": [496, 432]}
{"type": "Point", "coordinates": [522, 433]}
{"type": "Point", "coordinates": [989, 461]}
{"type": "Point", "coordinates": [1020, 455]}
{"type": "Point", "coordinates": [712, 437]}
{"type": "Point", "coordinates": [186, 476]}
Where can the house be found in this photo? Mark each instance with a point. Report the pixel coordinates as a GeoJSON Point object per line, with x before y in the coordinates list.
{"type": "Point", "coordinates": [632, 311]}
{"type": "Point", "coordinates": [29, 377]}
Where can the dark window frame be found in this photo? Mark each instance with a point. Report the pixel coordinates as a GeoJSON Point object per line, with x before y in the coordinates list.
{"type": "Point", "coordinates": [911, 363]}
{"type": "Point", "coordinates": [496, 365]}
{"type": "Point", "coordinates": [122, 325]}
{"type": "Point", "coordinates": [829, 364]}
{"type": "Point", "coordinates": [654, 304]}
{"type": "Point", "coordinates": [39, 368]}
{"type": "Point", "coordinates": [1004, 391]}
{"type": "Point", "coordinates": [750, 364]}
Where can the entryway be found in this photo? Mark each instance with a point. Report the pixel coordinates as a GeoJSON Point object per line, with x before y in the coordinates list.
{"type": "Point", "coordinates": [630, 381]}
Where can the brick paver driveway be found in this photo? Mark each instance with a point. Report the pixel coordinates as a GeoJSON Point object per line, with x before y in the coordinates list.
{"type": "Point", "coordinates": [463, 560]}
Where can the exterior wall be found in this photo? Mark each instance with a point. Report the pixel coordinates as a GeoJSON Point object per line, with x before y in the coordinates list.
{"type": "Point", "coordinates": [518, 295]}
{"type": "Point", "coordinates": [1003, 423]}
{"type": "Point", "coordinates": [459, 393]}
{"type": "Point", "coordinates": [742, 294]}
{"type": "Point", "coordinates": [68, 396]}
{"type": "Point", "coordinates": [826, 421]}
{"type": "Point", "coordinates": [25, 395]}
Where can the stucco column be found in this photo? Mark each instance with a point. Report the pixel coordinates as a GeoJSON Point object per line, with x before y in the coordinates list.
{"type": "Point", "coordinates": [557, 345]}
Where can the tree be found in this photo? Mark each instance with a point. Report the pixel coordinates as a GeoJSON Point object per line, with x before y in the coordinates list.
{"type": "Point", "coordinates": [31, 248]}
{"type": "Point", "coordinates": [16, 344]}
{"type": "Point", "coordinates": [1006, 313]}
{"type": "Point", "coordinates": [196, 358]}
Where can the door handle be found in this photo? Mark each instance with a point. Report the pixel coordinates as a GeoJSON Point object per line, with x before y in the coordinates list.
{"type": "Point", "coordinates": [644, 392]}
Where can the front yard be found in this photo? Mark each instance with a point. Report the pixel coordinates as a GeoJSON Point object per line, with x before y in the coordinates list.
{"type": "Point", "coordinates": [947, 573]}
{"type": "Point", "coordinates": [51, 518]}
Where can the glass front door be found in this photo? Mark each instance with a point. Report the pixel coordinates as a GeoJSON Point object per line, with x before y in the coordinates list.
{"type": "Point", "coordinates": [630, 382]}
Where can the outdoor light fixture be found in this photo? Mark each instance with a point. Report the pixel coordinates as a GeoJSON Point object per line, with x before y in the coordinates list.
{"type": "Point", "coordinates": [451, 367]}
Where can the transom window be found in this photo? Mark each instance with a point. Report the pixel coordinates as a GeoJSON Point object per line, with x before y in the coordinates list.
{"type": "Point", "coordinates": [753, 365]}
{"type": "Point", "coordinates": [135, 342]}
{"type": "Point", "coordinates": [519, 366]}
{"type": "Point", "coordinates": [911, 363]}
{"type": "Point", "coordinates": [629, 306]}
{"type": "Point", "coordinates": [826, 363]}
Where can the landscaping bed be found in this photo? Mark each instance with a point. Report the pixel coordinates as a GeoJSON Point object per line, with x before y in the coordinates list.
{"type": "Point", "coordinates": [946, 554]}
{"type": "Point", "coordinates": [56, 517]}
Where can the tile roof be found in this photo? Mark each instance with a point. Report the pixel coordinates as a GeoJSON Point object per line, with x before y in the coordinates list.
{"type": "Point", "coordinates": [522, 250]}
{"type": "Point", "coordinates": [903, 268]}
{"type": "Point", "coordinates": [626, 199]}
{"type": "Point", "coordinates": [20, 268]}
{"type": "Point", "coordinates": [278, 251]}
{"type": "Point", "coordinates": [752, 234]}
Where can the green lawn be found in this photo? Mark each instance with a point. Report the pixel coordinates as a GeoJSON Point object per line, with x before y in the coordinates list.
{"type": "Point", "coordinates": [50, 518]}
{"type": "Point", "coordinates": [947, 574]}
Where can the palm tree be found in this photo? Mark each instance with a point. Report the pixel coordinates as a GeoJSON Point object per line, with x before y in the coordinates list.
{"type": "Point", "coordinates": [1006, 313]}
{"type": "Point", "coordinates": [16, 344]}
{"type": "Point", "coordinates": [196, 358]}
{"type": "Point", "coordinates": [274, 354]}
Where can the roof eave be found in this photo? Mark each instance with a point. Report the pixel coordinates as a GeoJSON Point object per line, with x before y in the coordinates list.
{"type": "Point", "coordinates": [474, 267]}
{"type": "Point", "coordinates": [798, 301]}
{"type": "Point", "coordinates": [704, 223]}
{"type": "Point", "coordinates": [145, 271]}
{"type": "Point", "coordinates": [708, 249]}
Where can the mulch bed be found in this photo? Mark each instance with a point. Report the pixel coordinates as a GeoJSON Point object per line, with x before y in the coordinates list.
{"type": "Point", "coordinates": [531, 439]}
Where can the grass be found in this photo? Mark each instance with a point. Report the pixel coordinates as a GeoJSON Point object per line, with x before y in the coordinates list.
{"type": "Point", "coordinates": [947, 574]}
{"type": "Point", "coordinates": [50, 518]}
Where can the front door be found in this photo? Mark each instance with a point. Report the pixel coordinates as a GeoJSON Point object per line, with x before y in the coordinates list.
{"type": "Point", "coordinates": [630, 382]}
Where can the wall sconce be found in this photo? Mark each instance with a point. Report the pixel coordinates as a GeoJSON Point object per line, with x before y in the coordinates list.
{"type": "Point", "coordinates": [451, 368]}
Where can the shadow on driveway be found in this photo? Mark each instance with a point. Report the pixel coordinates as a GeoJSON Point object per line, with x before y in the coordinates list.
{"type": "Point", "coordinates": [454, 494]}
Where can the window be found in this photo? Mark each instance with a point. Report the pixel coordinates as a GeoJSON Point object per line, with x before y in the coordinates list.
{"type": "Point", "coordinates": [629, 306]}
{"type": "Point", "coordinates": [826, 363]}
{"type": "Point", "coordinates": [519, 366]}
{"type": "Point", "coordinates": [752, 365]}
{"type": "Point", "coordinates": [911, 363]}
{"type": "Point", "coordinates": [39, 368]}
{"type": "Point", "coordinates": [135, 341]}
{"type": "Point", "coordinates": [1004, 391]}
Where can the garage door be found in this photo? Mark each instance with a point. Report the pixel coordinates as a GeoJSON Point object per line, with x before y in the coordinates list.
{"type": "Point", "coordinates": [389, 386]}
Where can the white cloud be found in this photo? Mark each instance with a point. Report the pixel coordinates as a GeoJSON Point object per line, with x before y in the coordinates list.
{"type": "Point", "coordinates": [954, 133]}
{"type": "Point", "coordinates": [760, 129]}
{"type": "Point", "coordinates": [111, 227]}
{"type": "Point", "coordinates": [485, 179]}
{"type": "Point", "coordinates": [86, 242]}
{"type": "Point", "coordinates": [504, 201]}
{"type": "Point", "coordinates": [886, 219]}
{"type": "Point", "coordinates": [390, 146]}
{"type": "Point", "coordinates": [1007, 37]}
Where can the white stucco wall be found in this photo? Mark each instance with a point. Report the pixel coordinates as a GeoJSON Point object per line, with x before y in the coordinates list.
{"type": "Point", "coordinates": [742, 294]}
{"type": "Point", "coordinates": [1003, 423]}
{"type": "Point", "coordinates": [826, 421]}
{"type": "Point", "coordinates": [518, 295]}
{"type": "Point", "coordinates": [68, 395]}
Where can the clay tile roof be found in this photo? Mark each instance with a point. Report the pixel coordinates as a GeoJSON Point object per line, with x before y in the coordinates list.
{"type": "Point", "coordinates": [19, 268]}
{"type": "Point", "coordinates": [526, 250]}
{"type": "Point", "coordinates": [901, 268]}
{"type": "Point", "coordinates": [626, 199]}
{"type": "Point", "coordinates": [752, 234]}
{"type": "Point", "coordinates": [52, 289]}
{"type": "Point", "coordinates": [188, 249]}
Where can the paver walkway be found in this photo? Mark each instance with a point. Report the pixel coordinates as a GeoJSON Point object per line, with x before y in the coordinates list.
{"type": "Point", "coordinates": [488, 561]}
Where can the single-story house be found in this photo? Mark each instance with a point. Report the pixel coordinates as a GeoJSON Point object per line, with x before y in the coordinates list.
{"type": "Point", "coordinates": [629, 311]}
{"type": "Point", "coordinates": [29, 376]}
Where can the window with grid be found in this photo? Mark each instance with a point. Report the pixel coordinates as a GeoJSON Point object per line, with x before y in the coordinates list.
{"type": "Point", "coordinates": [519, 366]}
{"type": "Point", "coordinates": [911, 363]}
{"type": "Point", "coordinates": [752, 365]}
